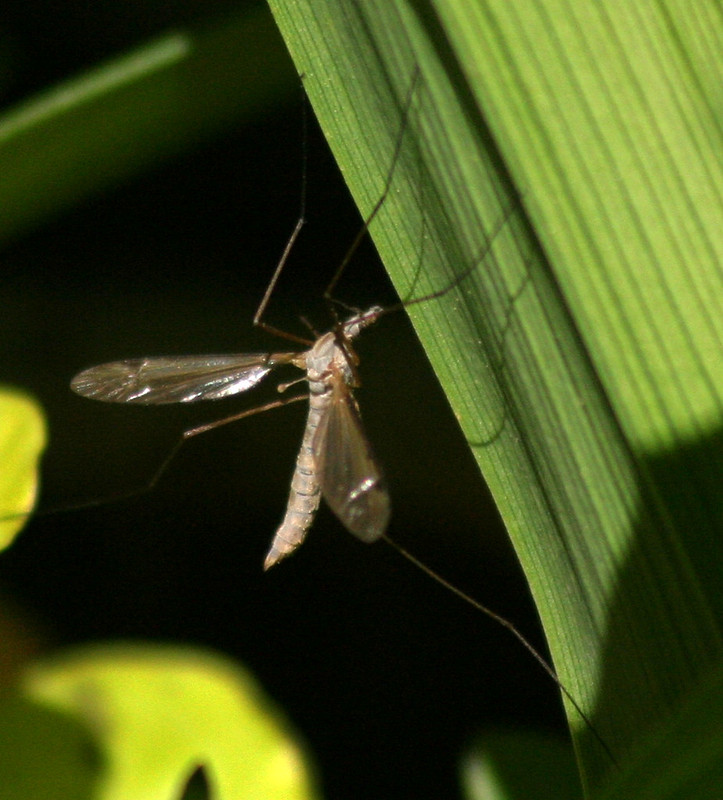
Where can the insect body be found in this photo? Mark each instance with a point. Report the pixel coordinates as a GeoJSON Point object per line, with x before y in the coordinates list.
{"type": "Point", "coordinates": [335, 459]}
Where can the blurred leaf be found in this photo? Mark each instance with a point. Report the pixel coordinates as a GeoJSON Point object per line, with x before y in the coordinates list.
{"type": "Point", "coordinates": [510, 765]}
{"type": "Point", "coordinates": [158, 713]}
{"type": "Point", "coordinates": [120, 118]}
{"type": "Point", "coordinates": [44, 753]}
{"type": "Point", "coordinates": [683, 760]}
{"type": "Point", "coordinates": [22, 440]}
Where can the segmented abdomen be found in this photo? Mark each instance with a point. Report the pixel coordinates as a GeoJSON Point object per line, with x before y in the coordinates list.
{"type": "Point", "coordinates": [305, 492]}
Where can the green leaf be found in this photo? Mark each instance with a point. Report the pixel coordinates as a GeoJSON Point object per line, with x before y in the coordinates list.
{"type": "Point", "coordinates": [44, 753]}
{"type": "Point", "coordinates": [158, 713]}
{"type": "Point", "coordinates": [22, 440]}
{"type": "Point", "coordinates": [511, 765]}
{"type": "Point", "coordinates": [583, 356]}
{"type": "Point", "coordinates": [683, 760]}
{"type": "Point", "coordinates": [113, 121]}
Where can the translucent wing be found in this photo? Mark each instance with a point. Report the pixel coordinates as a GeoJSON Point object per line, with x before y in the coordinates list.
{"type": "Point", "coordinates": [351, 480]}
{"type": "Point", "coordinates": [180, 379]}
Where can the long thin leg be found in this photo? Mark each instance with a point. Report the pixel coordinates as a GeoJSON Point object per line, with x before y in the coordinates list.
{"type": "Point", "coordinates": [486, 247]}
{"type": "Point", "coordinates": [505, 623]}
{"type": "Point", "coordinates": [380, 202]}
{"type": "Point", "coordinates": [151, 483]}
{"type": "Point", "coordinates": [209, 426]}
{"type": "Point", "coordinates": [260, 311]}
{"type": "Point", "coordinates": [258, 322]}
{"type": "Point", "coordinates": [331, 301]}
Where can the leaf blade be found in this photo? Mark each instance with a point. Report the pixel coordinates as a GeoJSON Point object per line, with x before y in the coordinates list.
{"type": "Point", "coordinates": [554, 381]}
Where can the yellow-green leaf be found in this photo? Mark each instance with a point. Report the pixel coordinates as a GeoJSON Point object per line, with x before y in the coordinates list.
{"type": "Point", "coordinates": [22, 439]}
{"type": "Point", "coordinates": [158, 713]}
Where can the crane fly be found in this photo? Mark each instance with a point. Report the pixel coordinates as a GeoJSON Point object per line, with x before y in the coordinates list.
{"type": "Point", "coordinates": [335, 460]}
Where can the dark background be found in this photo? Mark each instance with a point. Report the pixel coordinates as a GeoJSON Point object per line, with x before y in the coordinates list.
{"type": "Point", "coordinates": [384, 674]}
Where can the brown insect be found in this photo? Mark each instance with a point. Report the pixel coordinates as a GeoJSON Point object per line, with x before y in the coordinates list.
{"type": "Point", "coordinates": [335, 460]}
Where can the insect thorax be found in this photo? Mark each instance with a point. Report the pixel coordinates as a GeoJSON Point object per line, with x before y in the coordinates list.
{"type": "Point", "coordinates": [331, 355]}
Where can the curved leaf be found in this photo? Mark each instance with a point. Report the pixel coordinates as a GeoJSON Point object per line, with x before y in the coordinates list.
{"type": "Point", "coordinates": [582, 356]}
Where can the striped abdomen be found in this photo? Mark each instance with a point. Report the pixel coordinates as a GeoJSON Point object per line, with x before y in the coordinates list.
{"type": "Point", "coordinates": [305, 492]}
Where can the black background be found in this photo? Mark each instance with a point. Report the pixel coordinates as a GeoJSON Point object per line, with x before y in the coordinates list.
{"type": "Point", "coordinates": [384, 674]}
